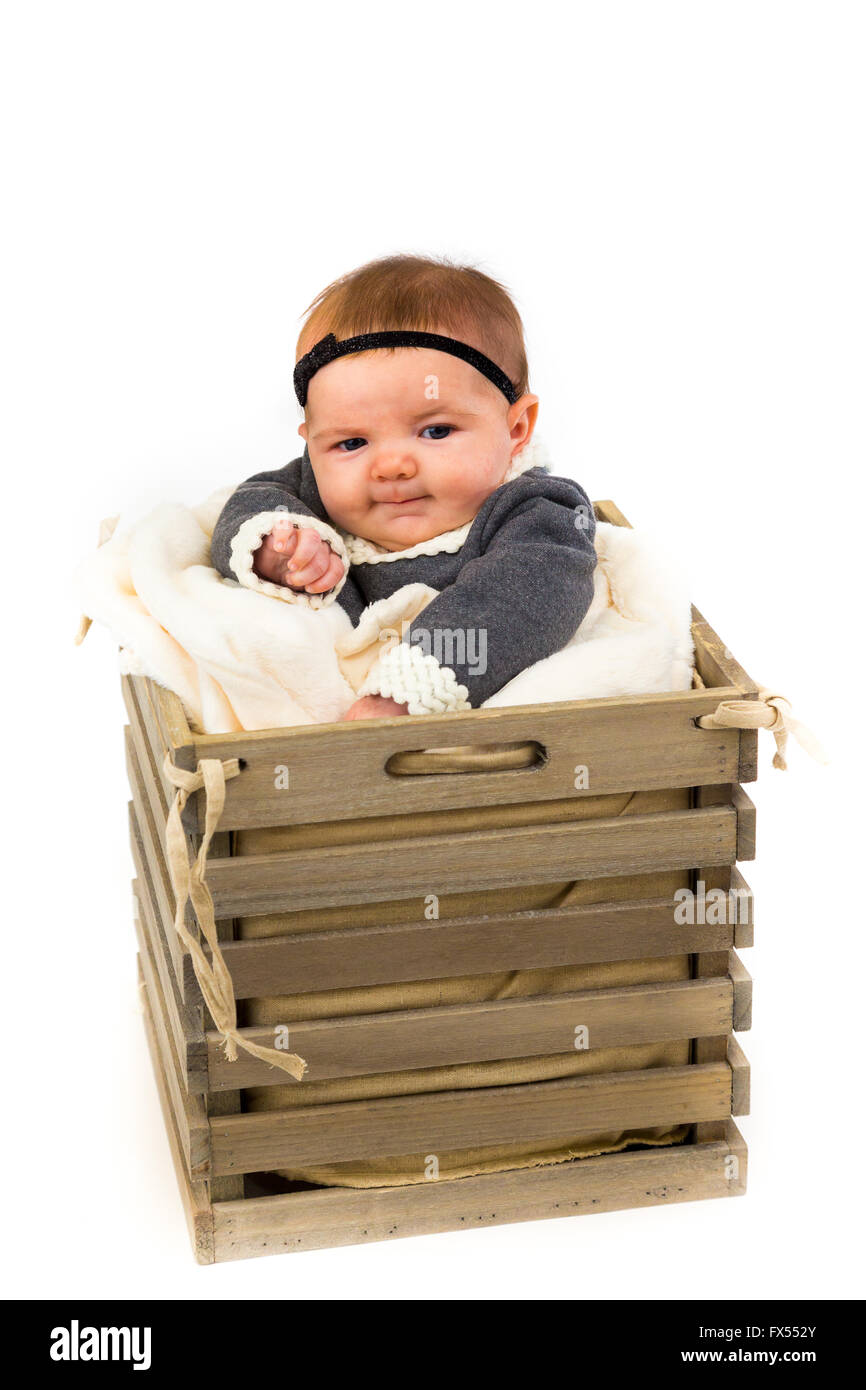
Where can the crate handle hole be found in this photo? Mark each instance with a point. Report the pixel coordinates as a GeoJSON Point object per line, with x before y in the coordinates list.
{"type": "Point", "coordinates": [483, 757]}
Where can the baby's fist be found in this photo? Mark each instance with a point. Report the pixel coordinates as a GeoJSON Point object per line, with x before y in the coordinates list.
{"type": "Point", "coordinates": [298, 558]}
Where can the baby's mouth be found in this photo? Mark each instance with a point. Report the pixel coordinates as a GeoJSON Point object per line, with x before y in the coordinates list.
{"type": "Point", "coordinates": [402, 501]}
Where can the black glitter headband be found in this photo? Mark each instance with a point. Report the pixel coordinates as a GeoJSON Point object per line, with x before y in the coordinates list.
{"type": "Point", "coordinates": [328, 349]}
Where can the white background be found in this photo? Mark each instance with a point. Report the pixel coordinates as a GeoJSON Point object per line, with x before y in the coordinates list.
{"type": "Point", "coordinates": [674, 192]}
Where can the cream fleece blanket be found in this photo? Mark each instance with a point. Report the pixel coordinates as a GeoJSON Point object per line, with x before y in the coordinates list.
{"type": "Point", "coordinates": [242, 660]}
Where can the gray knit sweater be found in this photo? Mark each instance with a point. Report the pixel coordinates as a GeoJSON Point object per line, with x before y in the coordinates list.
{"type": "Point", "coordinates": [513, 585]}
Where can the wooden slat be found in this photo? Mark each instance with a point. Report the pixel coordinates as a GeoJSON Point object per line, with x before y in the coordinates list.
{"type": "Point", "coordinates": [191, 1052]}
{"type": "Point", "coordinates": [745, 809]}
{"type": "Point", "coordinates": [229, 1099]}
{"type": "Point", "coordinates": [709, 964]}
{"type": "Point", "coordinates": [739, 907]}
{"type": "Point", "coordinates": [740, 1078]}
{"type": "Point", "coordinates": [150, 748]}
{"type": "Point", "coordinates": [151, 868]}
{"type": "Point", "coordinates": [459, 1119]}
{"type": "Point", "coordinates": [150, 755]}
{"type": "Point", "coordinates": [167, 711]}
{"type": "Point", "coordinates": [136, 696]}
{"type": "Point", "coordinates": [151, 751]}
{"type": "Point", "coordinates": [193, 1191]}
{"type": "Point", "coordinates": [303, 962]}
{"type": "Point", "coordinates": [148, 804]}
{"type": "Point", "coordinates": [742, 985]}
{"type": "Point", "coordinates": [141, 779]}
{"type": "Point", "coordinates": [189, 1111]}
{"type": "Point", "coordinates": [472, 861]}
{"type": "Point", "coordinates": [744, 926]}
{"type": "Point", "coordinates": [487, 1032]}
{"type": "Point", "coordinates": [719, 667]}
{"type": "Point", "coordinates": [329, 1217]}
{"type": "Point", "coordinates": [608, 511]}
{"type": "Point", "coordinates": [633, 743]}
{"type": "Point", "coordinates": [190, 1047]}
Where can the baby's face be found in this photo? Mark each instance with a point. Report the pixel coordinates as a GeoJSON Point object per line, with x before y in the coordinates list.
{"type": "Point", "coordinates": [396, 463]}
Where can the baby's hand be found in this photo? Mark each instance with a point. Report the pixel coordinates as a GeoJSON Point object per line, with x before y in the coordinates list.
{"type": "Point", "coordinates": [375, 707]}
{"type": "Point", "coordinates": [299, 558]}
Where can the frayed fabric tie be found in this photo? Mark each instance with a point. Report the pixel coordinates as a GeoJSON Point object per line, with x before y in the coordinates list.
{"type": "Point", "coordinates": [189, 884]}
{"type": "Point", "coordinates": [771, 712]}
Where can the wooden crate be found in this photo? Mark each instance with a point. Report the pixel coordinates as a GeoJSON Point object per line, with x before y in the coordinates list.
{"type": "Point", "coordinates": [223, 1151]}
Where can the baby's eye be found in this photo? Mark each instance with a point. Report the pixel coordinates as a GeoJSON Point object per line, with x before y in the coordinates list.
{"type": "Point", "coordinates": [436, 431]}
{"type": "Point", "coordinates": [350, 445]}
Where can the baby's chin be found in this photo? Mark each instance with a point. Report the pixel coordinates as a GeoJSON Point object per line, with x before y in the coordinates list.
{"type": "Point", "coordinates": [400, 531]}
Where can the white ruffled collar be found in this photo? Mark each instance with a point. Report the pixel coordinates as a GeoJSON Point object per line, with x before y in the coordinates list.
{"type": "Point", "coordinates": [364, 552]}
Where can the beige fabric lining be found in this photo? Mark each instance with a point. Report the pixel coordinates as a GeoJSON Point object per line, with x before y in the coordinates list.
{"type": "Point", "coordinates": [280, 838]}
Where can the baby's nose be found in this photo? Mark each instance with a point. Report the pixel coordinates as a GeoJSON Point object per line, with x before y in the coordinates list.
{"type": "Point", "coordinates": [394, 463]}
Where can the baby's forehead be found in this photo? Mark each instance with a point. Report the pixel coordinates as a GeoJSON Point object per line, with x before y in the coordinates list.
{"type": "Point", "coordinates": [401, 379]}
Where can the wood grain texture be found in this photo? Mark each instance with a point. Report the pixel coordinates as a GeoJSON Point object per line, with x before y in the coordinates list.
{"type": "Point", "coordinates": [174, 965]}
{"type": "Point", "coordinates": [633, 743]}
{"type": "Point", "coordinates": [150, 784]}
{"type": "Point", "coordinates": [380, 872]}
{"type": "Point", "coordinates": [744, 925]}
{"type": "Point", "coordinates": [185, 1024]}
{"type": "Point", "coordinates": [136, 697]}
{"type": "Point", "coordinates": [718, 666]}
{"type": "Point", "coordinates": [146, 863]}
{"type": "Point", "coordinates": [190, 1119]}
{"type": "Point", "coordinates": [611, 1182]}
{"type": "Point", "coordinates": [304, 962]}
{"type": "Point", "coordinates": [709, 879]}
{"type": "Point", "coordinates": [151, 869]}
{"type": "Point", "coordinates": [147, 841]}
{"type": "Point", "coordinates": [740, 1078]}
{"type": "Point", "coordinates": [448, 1035]}
{"type": "Point", "coordinates": [194, 1193]}
{"type": "Point", "coordinates": [718, 662]}
{"type": "Point", "coordinates": [742, 985]}
{"type": "Point", "coordinates": [168, 713]}
{"type": "Point", "coordinates": [746, 817]}
{"type": "Point", "coordinates": [150, 751]}
{"type": "Point", "coordinates": [460, 1119]}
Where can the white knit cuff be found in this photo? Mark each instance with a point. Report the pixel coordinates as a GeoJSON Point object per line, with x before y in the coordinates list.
{"type": "Point", "coordinates": [249, 537]}
{"type": "Point", "coordinates": [406, 674]}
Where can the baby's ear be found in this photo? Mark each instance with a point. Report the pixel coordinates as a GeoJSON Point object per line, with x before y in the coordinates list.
{"type": "Point", "coordinates": [522, 416]}
{"type": "Point", "coordinates": [302, 430]}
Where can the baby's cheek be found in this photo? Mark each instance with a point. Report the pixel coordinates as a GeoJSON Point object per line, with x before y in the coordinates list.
{"type": "Point", "coordinates": [340, 501]}
{"type": "Point", "coordinates": [476, 484]}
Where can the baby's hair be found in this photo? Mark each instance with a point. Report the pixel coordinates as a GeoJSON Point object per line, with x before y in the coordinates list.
{"type": "Point", "coordinates": [432, 296]}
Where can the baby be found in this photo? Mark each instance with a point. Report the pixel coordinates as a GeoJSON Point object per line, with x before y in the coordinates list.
{"type": "Point", "coordinates": [414, 382]}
